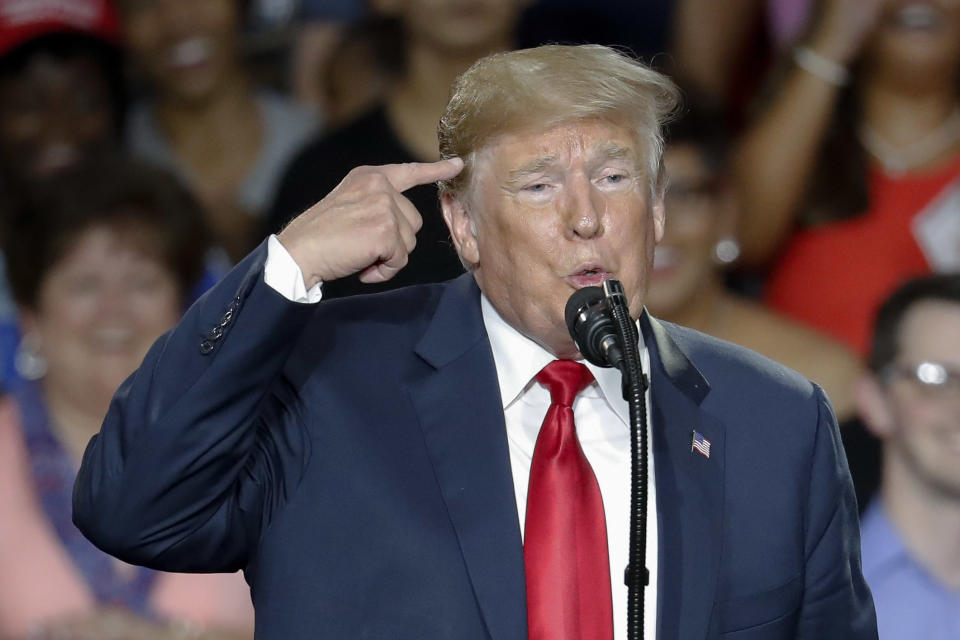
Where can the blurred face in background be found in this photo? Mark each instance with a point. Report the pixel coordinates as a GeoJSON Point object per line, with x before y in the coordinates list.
{"type": "Point", "coordinates": [53, 111]}
{"type": "Point", "coordinates": [920, 423]}
{"type": "Point", "coordinates": [100, 308]}
{"type": "Point", "coordinates": [916, 37]}
{"type": "Point", "coordinates": [186, 47]}
{"type": "Point", "coordinates": [698, 214]}
{"type": "Point", "coordinates": [457, 25]}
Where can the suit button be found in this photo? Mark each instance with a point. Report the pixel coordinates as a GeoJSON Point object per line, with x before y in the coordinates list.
{"type": "Point", "coordinates": [227, 317]}
{"type": "Point", "coordinates": [216, 333]}
{"type": "Point", "coordinates": [206, 347]}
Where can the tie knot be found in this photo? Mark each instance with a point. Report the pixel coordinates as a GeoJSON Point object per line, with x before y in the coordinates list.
{"type": "Point", "coordinates": [565, 379]}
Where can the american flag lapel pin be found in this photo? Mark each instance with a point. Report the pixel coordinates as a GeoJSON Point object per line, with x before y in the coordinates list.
{"type": "Point", "coordinates": [701, 444]}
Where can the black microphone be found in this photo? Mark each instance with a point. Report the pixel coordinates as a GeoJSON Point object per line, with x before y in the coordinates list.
{"type": "Point", "coordinates": [591, 326]}
{"type": "Point", "coordinates": [600, 325]}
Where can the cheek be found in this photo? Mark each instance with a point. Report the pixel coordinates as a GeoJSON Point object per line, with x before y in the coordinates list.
{"type": "Point", "coordinates": [142, 35]}
{"type": "Point", "coordinates": [92, 129]}
{"type": "Point", "coordinates": [146, 39]}
{"type": "Point", "coordinates": [20, 130]}
{"type": "Point", "coordinates": [155, 307]}
{"type": "Point", "coordinates": [218, 20]}
{"type": "Point", "coordinates": [69, 312]}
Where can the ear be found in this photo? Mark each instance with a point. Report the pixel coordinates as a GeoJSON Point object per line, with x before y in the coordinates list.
{"type": "Point", "coordinates": [873, 406]}
{"type": "Point", "coordinates": [463, 230]}
{"type": "Point", "coordinates": [659, 219]}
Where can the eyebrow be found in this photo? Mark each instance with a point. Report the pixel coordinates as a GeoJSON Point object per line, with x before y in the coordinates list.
{"type": "Point", "coordinates": [541, 163]}
{"type": "Point", "coordinates": [616, 152]}
{"type": "Point", "coordinates": [536, 165]}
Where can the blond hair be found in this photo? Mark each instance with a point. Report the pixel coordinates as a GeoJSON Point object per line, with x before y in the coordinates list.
{"type": "Point", "coordinates": [549, 85]}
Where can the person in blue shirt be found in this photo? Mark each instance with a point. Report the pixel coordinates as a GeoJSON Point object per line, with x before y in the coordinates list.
{"type": "Point", "coordinates": [911, 401]}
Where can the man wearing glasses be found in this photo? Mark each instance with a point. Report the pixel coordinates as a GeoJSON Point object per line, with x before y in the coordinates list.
{"type": "Point", "coordinates": [911, 401]}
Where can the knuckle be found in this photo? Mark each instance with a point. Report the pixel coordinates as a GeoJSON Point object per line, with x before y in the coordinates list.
{"type": "Point", "coordinates": [417, 221]}
{"type": "Point", "coordinates": [377, 180]}
{"type": "Point", "coordinates": [381, 200]}
{"type": "Point", "coordinates": [386, 227]}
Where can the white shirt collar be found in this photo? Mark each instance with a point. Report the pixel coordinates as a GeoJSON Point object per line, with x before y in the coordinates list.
{"type": "Point", "coordinates": [518, 359]}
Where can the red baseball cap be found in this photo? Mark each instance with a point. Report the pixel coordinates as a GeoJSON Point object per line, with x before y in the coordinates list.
{"type": "Point", "coordinates": [24, 20]}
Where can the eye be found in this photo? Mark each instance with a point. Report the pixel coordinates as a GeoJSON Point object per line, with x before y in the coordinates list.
{"type": "Point", "coordinates": [616, 178]}
{"type": "Point", "coordinates": [539, 187]}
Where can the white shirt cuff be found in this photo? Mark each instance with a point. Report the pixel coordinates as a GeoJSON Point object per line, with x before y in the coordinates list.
{"type": "Point", "coordinates": [282, 274]}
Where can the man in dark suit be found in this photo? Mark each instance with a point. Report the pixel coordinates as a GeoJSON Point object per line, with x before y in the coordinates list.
{"type": "Point", "coordinates": [366, 460]}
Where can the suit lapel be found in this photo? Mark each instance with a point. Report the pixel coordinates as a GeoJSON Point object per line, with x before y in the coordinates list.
{"type": "Point", "coordinates": [689, 489]}
{"type": "Point", "coordinates": [457, 400]}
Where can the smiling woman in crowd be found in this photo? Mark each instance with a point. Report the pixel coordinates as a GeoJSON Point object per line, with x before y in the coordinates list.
{"type": "Point", "coordinates": [204, 118]}
{"type": "Point", "coordinates": [687, 284]}
{"type": "Point", "coordinates": [850, 177]}
{"type": "Point", "coordinates": [100, 264]}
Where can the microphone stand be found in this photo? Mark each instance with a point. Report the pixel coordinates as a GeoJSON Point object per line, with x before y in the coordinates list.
{"type": "Point", "coordinates": [634, 386]}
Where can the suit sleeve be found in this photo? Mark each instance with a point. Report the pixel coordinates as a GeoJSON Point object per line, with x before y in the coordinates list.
{"type": "Point", "coordinates": [202, 444]}
{"type": "Point", "coordinates": [836, 600]}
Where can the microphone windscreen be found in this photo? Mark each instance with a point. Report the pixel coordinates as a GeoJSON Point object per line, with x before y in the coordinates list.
{"type": "Point", "coordinates": [581, 298]}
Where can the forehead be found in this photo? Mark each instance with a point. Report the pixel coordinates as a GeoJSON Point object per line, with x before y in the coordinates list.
{"type": "Point", "coordinates": [560, 145]}
{"type": "Point", "coordinates": [931, 329]}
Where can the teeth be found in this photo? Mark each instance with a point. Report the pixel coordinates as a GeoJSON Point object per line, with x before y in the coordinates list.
{"type": "Point", "coordinates": [190, 52]}
{"type": "Point", "coordinates": [918, 16]}
{"type": "Point", "coordinates": [113, 337]}
{"type": "Point", "coordinates": [57, 156]}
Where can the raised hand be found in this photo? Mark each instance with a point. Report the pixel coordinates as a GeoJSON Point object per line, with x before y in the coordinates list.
{"type": "Point", "coordinates": [843, 27]}
{"type": "Point", "coordinates": [365, 225]}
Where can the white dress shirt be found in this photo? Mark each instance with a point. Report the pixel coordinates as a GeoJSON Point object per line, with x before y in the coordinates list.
{"type": "Point", "coordinates": [602, 420]}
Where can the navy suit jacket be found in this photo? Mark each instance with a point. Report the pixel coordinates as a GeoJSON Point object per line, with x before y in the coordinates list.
{"type": "Point", "coordinates": [351, 458]}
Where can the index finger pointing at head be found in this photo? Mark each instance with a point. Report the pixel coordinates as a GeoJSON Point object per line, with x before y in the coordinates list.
{"type": "Point", "coordinates": [410, 174]}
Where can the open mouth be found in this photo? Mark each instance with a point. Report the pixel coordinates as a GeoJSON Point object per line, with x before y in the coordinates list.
{"type": "Point", "coordinates": [591, 276]}
{"type": "Point", "coordinates": [113, 340]}
{"type": "Point", "coordinates": [917, 16]}
{"type": "Point", "coordinates": [190, 53]}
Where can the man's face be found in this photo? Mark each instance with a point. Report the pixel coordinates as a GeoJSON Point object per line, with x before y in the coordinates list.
{"type": "Point", "coordinates": [922, 430]}
{"type": "Point", "coordinates": [550, 212]}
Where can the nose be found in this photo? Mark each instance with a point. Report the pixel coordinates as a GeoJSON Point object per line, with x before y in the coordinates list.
{"type": "Point", "coordinates": [177, 16]}
{"type": "Point", "coordinates": [585, 209]}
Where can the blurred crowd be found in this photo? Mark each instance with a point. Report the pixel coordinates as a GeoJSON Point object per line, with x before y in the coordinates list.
{"type": "Point", "coordinates": [813, 215]}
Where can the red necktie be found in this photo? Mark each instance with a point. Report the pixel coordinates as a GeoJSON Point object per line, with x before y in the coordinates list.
{"type": "Point", "coordinates": [565, 535]}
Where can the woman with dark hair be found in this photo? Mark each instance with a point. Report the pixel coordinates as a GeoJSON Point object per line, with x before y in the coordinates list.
{"type": "Point", "coordinates": [687, 282]}
{"type": "Point", "coordinates": [204, 118]}
{"type": "Point", "coordinates": [61, 99]}
{"type": "Point", "coordinates": [101, 263]}
{"type": "Point", "coordinates": [849, 177]}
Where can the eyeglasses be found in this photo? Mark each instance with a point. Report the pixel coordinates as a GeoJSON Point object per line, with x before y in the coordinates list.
{"type": "Point", "coordinates": [693, 194]}
{"type": "Point", "coordinates": [932, 377]}
{"type": "Point", "coordinates": [688, 203]}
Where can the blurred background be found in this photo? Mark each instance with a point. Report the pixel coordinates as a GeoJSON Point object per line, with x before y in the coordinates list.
{"type": "Point", "coordinates": [813, 215]}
